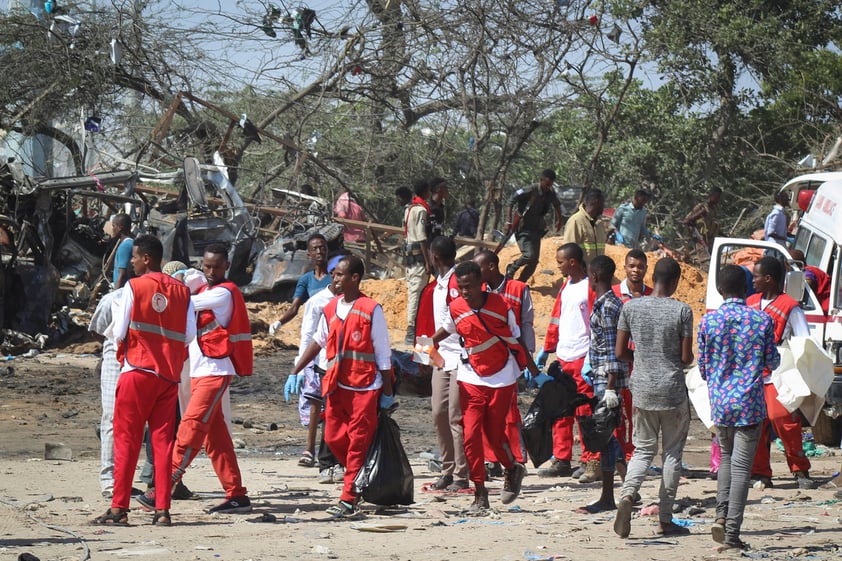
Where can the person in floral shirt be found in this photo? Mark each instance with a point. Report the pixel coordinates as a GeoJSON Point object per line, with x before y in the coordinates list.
{"type": "Point", "coordinates": [736, 344]}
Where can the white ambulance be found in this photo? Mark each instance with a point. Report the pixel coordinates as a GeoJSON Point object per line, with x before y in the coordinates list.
{"type": "Point", "coordinates": [819, 237]}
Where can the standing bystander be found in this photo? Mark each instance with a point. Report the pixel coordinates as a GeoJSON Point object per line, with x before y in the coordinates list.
{"type": "Point", "coordinates": [121, 226]}
{"type": "Point", "coordinates": [585, 227]}
{"type": "Point", "coordinates": [630, 220]}
{"type": "Point", "coordinates": [662, 331]}
{"type": "Point", "coordinates": [736, 345]}
{"type": "Point", "coordinates": [419, 265]}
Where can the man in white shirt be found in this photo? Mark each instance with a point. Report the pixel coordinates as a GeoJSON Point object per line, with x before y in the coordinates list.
{"type": "Point", "coordinates": [353, 332]}
{"type": "Point", "coordinates": [212, 367]}
{"type": "Point", "coordinates": [777, 222]}
{"type": "Point", "coordinates": [447, 415]}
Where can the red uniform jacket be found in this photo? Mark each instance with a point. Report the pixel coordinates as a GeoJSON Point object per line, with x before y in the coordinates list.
{"type": "Point", "coordinates": [486, 335]}
{"type": "Point", "coordinates": [232, 340]}
{"type": "Point", "coordinates": [349, 347]}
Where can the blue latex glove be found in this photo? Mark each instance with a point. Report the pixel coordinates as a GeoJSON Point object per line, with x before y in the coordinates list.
{"type": "Point", "coordinates": [541, 359]}
{"type": "Point", "coordinates": [541, 379]}
{"type": "Point", "coordinates": [527, 375]}
{"type": "Point", "coordinates": [386, 401]}
{"type": "Point", "coordinates": [294, 383]}
{"type": "Point", "coordinates": [619, 238]}
{"type": "Point", "coordinates": [587, 370]}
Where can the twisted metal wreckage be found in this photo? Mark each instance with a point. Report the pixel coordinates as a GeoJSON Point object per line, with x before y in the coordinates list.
{"type": "Point", "coordinates": [56, 254]}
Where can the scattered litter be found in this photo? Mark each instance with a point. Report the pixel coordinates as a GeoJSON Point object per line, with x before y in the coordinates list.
{"type": "Point", "coordinates": [828, 502]}
{"type": "Point", "coordinates": [323, 551]}
{"type": "Point", "coordinates": [159, 552]}
{"type": "Point", "coordinates": [767, 499]}
{"type": "Point", "coordinates": [653, 542]}
{"type": "Point", "coordinates": [532, 556]}
{"type": "Point", "coordinates": [683, 522]}
{"type": "Point", "coordinates": [649, 510]}
{"type": "Point", "coordinates": [57, 451]}
{"type": "Point", "coordinates": [515, 508]}
{"type": "Point", "coordinates": [379, 528]}
{"type": "Point", "coordinates": [266, 517]}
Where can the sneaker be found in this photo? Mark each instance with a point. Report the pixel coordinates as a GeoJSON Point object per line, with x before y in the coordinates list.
{"type": "Point", "coordinates": [343, 509]}
{"type": "Point", "coordinates": [326, 476]}
{"type": "Point", "coordinates": [108, 492]}
{"type": "Point", "coordinates": [577, 473]}
{"type": "Point", "coordinates": [717, 530]}
{"type": "Point", "coordinates": [804, 481]}
{"type": "Point", "coordinates": [338, 474]}
{"type": "Point", "coordinates": [442, 483]}
{"type": "Point", "coordinates": [147, 500]}
{"type": "Point", "coordinates": [512, 483]}
{"type": "Point", "coordinates": [592, 473]}
{"type": "Point", "coordinates": [181, 493]}
{"type": "Point", "coordinates": [558, 468]}
{"type": "Point", "coordinates": [234, 505]}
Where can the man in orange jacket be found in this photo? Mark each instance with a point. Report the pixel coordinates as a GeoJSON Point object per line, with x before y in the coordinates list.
{"type": "Point", "coordinates": [222, 350]}
{"type": "Point", "coordinates": [487, 376]}
{"type": "Point", "coordinates": [353, 333]}
{"type": "Point", "coordinates": [789, 320]}
{"type": "Point", "coordinates": [155, 322]}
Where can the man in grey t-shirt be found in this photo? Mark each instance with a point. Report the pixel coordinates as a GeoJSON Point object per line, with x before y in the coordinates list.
{"type": "Point", "coordinates": [662, 331]}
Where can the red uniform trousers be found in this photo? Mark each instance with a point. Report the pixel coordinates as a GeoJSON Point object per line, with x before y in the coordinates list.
{"type": "Point", "coordinates": [484, 413]}
{"type": "Point", "coordinates": [514, 424]}
{"type": "Point", "coordinates": [350, 424]}
{"type": "Point", "coordinates": [563, 427]}
{"type": "Point", "coordinates": [623, 433]}
{"type": "Point", "coordinates": [204, 424]}
{"type": "Point", "coordinates": [143, 398]}
{"type": "Point", "coordinates": [788, 428]}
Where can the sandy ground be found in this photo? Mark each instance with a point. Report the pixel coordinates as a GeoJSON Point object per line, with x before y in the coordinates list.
{"type": "Point", "coordinates": [46, 506]}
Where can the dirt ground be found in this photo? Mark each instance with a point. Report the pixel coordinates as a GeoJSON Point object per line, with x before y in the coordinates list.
{"type": "Point", "coordinates": [46, 506]}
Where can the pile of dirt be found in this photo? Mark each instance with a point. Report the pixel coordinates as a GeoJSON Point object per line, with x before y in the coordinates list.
{"type": "Point", "coordinates": [544, 285]}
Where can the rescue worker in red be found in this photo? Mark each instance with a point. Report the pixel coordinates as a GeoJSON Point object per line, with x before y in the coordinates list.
{"type": "Point", "coordinates": [156, 324]}
{"type": "Point", "coordinates": [222, 349]}
{"type": "Point", "coordinates": [359, 374]}
{"type": "Point", "coordinates": [572, 309]}
{"type": "Point", "coordinates": [493, 358]}
{"type": "Point", "coordinates": [789, 321]}
{"type": "Point", "coordinates": [519, 299]}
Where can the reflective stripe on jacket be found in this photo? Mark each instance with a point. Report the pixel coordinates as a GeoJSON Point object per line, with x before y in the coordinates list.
{"type": "Point", "coordinates": [233, 340]}
{"type": "Point", "coordinates": [488, 340]}
{"type": "Point", "coordinates": [156, 337]}
{"type": "Point", "coordinates": [349, 348]}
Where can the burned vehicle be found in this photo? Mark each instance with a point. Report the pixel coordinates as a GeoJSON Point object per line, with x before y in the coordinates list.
{"type": "Point", "coordinates": [54, 248]}
{"type": "Point", "coordinates": [206, 209]}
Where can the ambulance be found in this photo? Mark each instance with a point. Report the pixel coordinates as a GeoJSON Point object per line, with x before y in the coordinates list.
{"type": "Point", "coordinates": [818, 196]}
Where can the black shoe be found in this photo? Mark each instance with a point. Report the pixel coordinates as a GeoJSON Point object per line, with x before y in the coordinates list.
{"type": "Point", "coordinates": [442, 482]}
{"type": "Point", "coordinates": [181, 493]}
{"type": "Point", "coordinates": [234, 505]}
{"type": "Point", "coordinates": [558, 468]}
{"type": "Point", "coordinates": [513, 482]}
{"type": "Point", "coordinates": [804, 481]}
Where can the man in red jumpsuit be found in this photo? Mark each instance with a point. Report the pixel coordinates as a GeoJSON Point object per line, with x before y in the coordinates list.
{"type": "Point", "coordinates": [222, 350]}
{"type": "Point", "coordinates": [156, 323]}
{"type": "Point", "coordinates": [353, 333]}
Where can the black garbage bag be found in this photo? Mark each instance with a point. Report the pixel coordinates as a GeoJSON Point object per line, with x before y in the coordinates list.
{"type": "Point", "coordinates": [598, 428]}
{"type": "Point", "coordinates": [537, 433]}
{"type": "Point", "coordinates": [557, 398]}
{"type": "Point", "coordinates": [386, 477]}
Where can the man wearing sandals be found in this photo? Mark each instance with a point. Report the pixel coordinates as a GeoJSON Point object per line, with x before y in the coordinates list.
{"type": "Point", "coordinates": [353, 333]}
{"type": "Point", "coordinates": [156, 324]}
{"type": "Point", "coordinates": [736, 345]}
{"type": "Point", "coordinates": [487, 377]}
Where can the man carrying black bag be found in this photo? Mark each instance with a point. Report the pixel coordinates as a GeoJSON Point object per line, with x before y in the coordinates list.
{"type": "Point", "coordinates": [609, 375]}
{"type": "Point", "coordinates": [386, 477]}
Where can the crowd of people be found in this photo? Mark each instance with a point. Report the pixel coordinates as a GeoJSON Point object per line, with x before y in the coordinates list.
{"type": "Point", "coordinates": [626, 347]}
